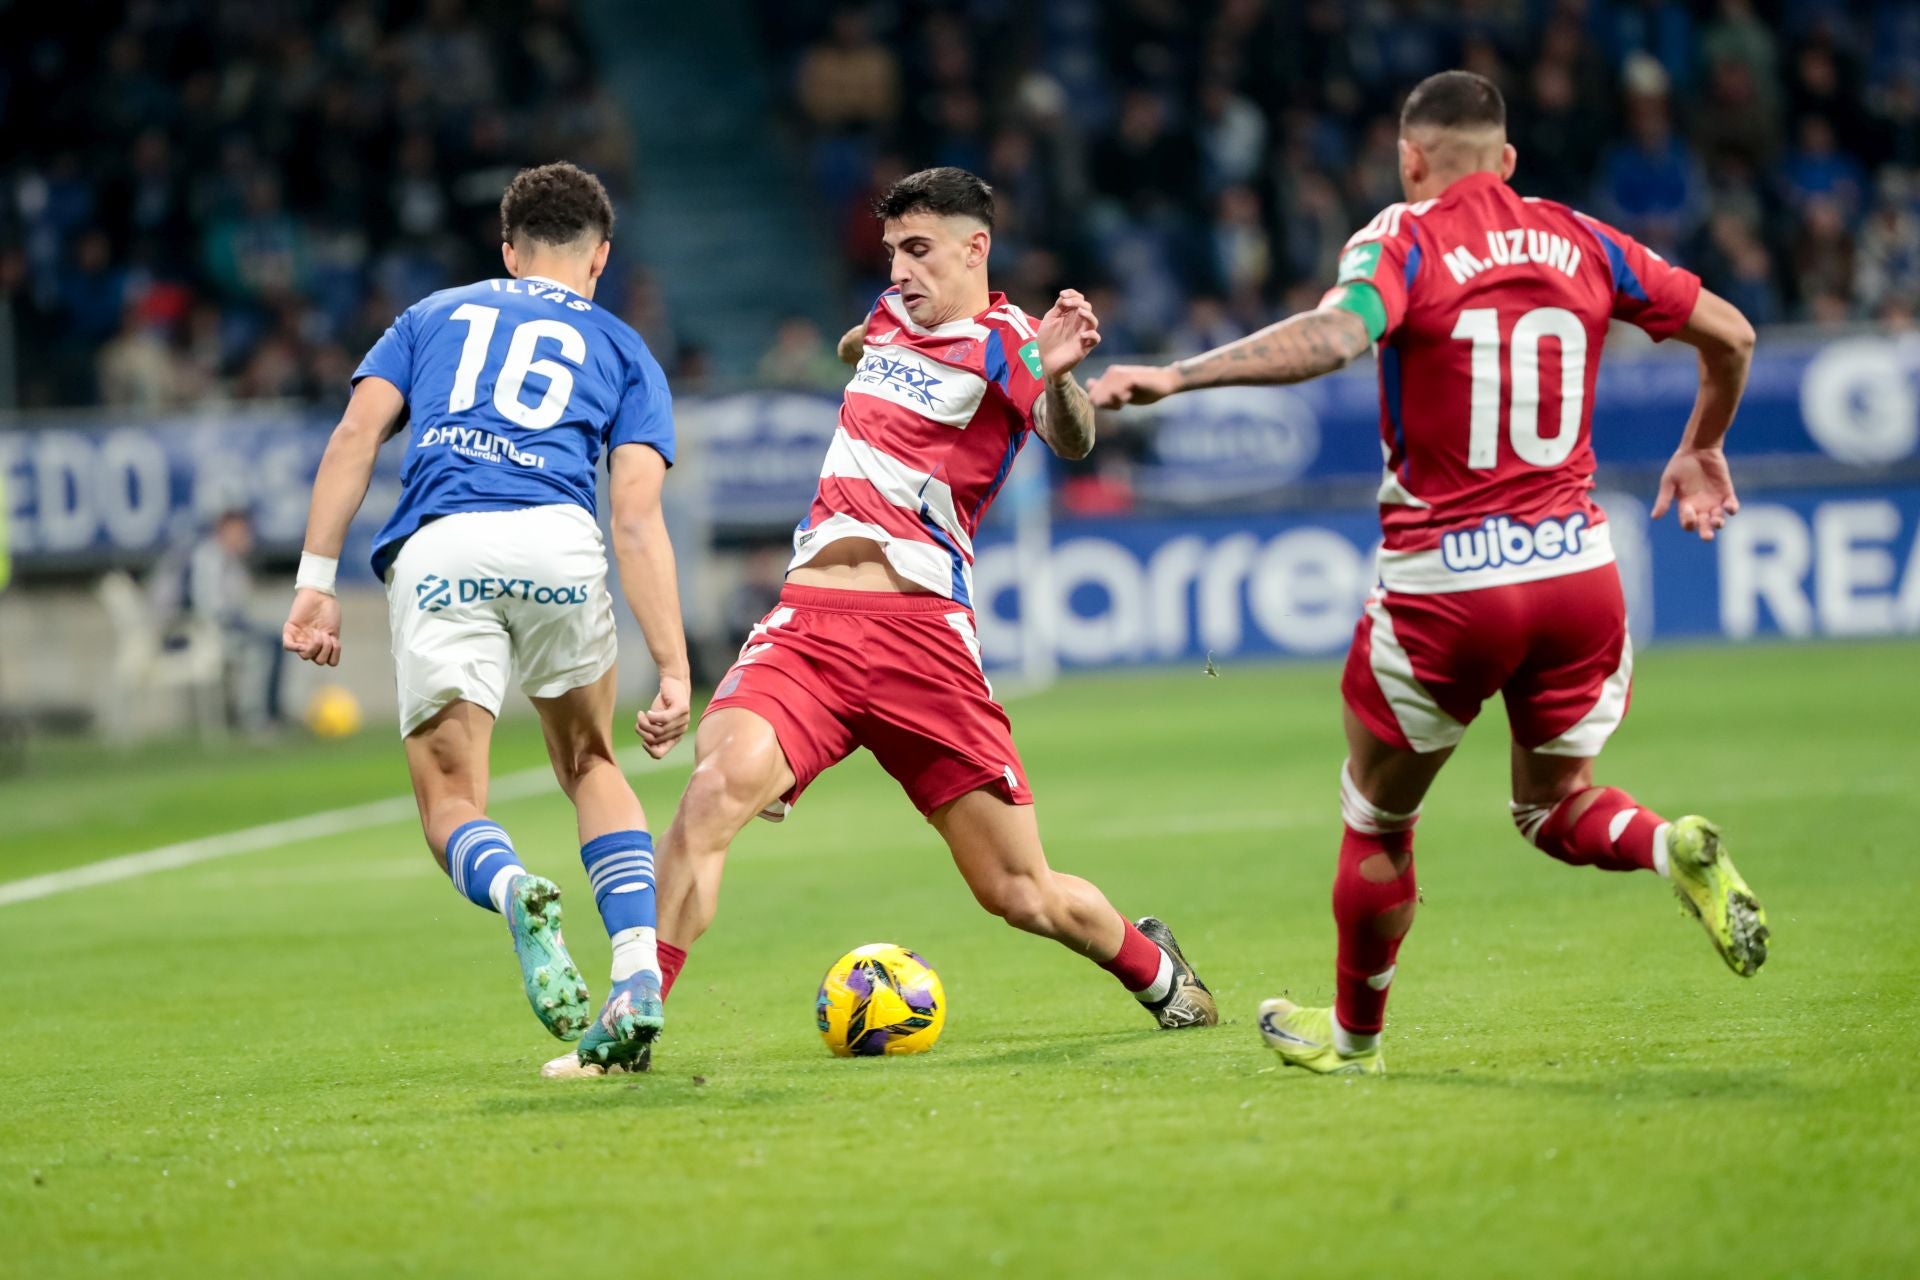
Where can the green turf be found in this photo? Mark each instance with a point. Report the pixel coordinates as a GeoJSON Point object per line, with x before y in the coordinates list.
{"type": "Point", "coordinates": [316, 1061]}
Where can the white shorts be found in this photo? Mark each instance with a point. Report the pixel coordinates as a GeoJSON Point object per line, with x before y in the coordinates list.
{"type": "Point", "coordinates": [473, 596]}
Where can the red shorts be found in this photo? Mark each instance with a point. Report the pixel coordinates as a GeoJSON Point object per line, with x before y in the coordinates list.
{"type": "Point", "coordinates": [898, 674]}
{"type": "Point", "coordinates": [1557, 649]}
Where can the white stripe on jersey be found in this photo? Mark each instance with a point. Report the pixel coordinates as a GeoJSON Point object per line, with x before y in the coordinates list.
{"type": "Point", "coordinates": [1014, 316]}
{"type": "Point", "coordinates": [897, 482]}
{"type": "Point", "coordinates": [938, 392]}
{"type": "Point", "coordinates": [925, 564]}
{"type": "Point", "coordinates": [1425, 573]}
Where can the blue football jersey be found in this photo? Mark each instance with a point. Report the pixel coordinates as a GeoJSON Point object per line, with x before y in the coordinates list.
{"type": "Point", "coordinates": [513, 389]}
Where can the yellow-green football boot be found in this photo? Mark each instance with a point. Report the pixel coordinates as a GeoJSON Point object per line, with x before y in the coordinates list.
{"type": "Point", "coordinates": [1304, 1038]}
{"type": "Point", "coordinates": [1712, 890]}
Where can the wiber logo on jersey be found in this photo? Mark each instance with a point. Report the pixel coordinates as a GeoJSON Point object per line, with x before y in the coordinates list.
{"type": "Point", "coordinates": [434, 593]}
{"type": "Point", "coordinates": [1502, 540]}
{"type": "Point", "coordinates": [942, 392]}
{"type": "Point", "coordinates": [480, 445]}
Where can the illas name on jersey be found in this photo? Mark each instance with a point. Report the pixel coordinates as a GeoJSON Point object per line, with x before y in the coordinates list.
{"type": "Point", "coordinates": [514, 388]}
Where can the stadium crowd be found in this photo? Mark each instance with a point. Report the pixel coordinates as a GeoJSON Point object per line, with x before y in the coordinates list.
{"type": "Point", "coordinates": [290, 175]}
{"type": "Point", "coordinates": [1202, 161]}
{"type": "Point", "coordinates": [286, 177]}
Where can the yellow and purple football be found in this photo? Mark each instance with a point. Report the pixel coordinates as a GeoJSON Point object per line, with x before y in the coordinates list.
{"type": "Point", "coordinates": [880, 999]}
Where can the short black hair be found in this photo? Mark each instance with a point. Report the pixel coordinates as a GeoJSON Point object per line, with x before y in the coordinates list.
{"type": "Point", "coordinates": [946, 191]}
{"type": "Point", "coordinates": [555, 204]}
{"type": "Point", "coordinates": [1455, 100]}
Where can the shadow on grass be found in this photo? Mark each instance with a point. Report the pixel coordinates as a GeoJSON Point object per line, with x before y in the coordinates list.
{"type": "Point", "coordinates": [778, 1080]}
{"type": "Point", "coordinates": [1638, 1083]}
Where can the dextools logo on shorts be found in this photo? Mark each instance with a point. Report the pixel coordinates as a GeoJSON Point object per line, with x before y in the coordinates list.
{"type": "Point", "coordinates": [472, 589]}
{"type": "Point", "coordinates": [432, 593]}
{"type": "Point", "coordinates": [1502, 540]}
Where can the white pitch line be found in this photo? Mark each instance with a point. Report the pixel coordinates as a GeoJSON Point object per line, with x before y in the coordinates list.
{"type": "Point", "coordinates": [273, 835]}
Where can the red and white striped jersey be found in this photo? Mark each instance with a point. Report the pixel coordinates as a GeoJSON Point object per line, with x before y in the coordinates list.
{"type": "Point", "coordinates": [1497, 307]}
{"type": "Point", "coordinates": [930, 426]}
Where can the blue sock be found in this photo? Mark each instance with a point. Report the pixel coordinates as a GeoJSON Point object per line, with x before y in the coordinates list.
{"type": "Point", "coordinates": [477, 852]}
{"type": "Point", "coordinates": [620, 867]}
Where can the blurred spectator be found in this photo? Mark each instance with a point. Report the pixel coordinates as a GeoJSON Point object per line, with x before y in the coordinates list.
{"type": "Point", "coordinates": [1650, 186]}
{"type": "Point", "coordinates": [1232, 134]}
{"type": "Point", "coordinates": [136, 366]}
{"type": "Point", "coordinates": [1242, 254]}
{"type": "Point", "coordinates": [800, 358]}
{"type": "Point", "coordinates": [1558, 135]}
{"type": "Point", "coordinates": [1145, 162]}
{"type": "Point", "coordinates": [1735, 121]}
{"type": "Point", "coordinates": [1823, 258]}
{"type": "Point", "coordinates": [211, 582]}
{"type": "Point", "coordinates": [850, 78]}
{"type": "Point", "coordinates": [1817, 168]}
{"type": "Point", "coordinates": [1887, 262]}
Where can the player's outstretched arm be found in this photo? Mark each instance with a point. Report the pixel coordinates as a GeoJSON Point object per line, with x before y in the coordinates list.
{"type": "Point", "coordinates": [652, 586]}
{"type": "Point", "coordinates": [339, 487]}
{"type": "Point", "coordinates": [1064, 414]}
{"type": "Point", "coordinates": [1697, 479]}
{"type": "Point", "coordinates": [1300, 347]}
{"type": "Point", "coordinates": [853, 344]}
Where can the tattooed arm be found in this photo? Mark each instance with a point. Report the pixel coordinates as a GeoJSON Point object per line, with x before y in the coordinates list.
{"type": "Point", "coordinates": [1064, 418]}
{"type": "Point", "coordinates": [1300, 347]}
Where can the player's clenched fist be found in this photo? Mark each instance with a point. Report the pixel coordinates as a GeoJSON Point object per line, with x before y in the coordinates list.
{"type": "Point", "coordinates": [663, 724]}
{"type": "Point", "coordinates": [1126, 384]}
{"type": "Point", "coordinates": [313, 627]}
{"type": "Point", "coordinates": [1067, 333]}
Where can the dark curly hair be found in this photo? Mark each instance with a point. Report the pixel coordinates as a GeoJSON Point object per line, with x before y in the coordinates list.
{"type": "Point", "coordinates": [945, 191]}
{"type": "Point", "coordinates": [555, 204]}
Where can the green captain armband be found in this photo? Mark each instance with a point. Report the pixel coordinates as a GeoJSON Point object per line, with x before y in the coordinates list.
{"type": "Point", "coordinates": [1361, 298]}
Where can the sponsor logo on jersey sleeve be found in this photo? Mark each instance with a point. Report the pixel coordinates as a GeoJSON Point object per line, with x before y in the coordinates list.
{"type": "Point", "coordinates": [1359, 263]}
{"type": "Point", "coordinates": [1030, 356]}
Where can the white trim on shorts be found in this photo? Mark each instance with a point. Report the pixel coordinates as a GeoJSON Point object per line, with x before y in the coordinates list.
{"type": "Point", "coordinates": [1425, 724]}
{"type": "Point", "coordinates": [1590, 733]}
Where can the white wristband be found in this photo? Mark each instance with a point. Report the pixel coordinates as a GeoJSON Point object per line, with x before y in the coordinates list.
{"type": "Point", "coordinates": [316, 573]}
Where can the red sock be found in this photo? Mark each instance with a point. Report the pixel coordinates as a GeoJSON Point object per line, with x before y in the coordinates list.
{"type": "Point", "coordinates": [1614, 833]}
{"type": "Point", "coordinates": [1137, 964]}
{"type": "Point", "coordinates": [1372, 916]}
{"type": "Point", "coordinates": [672, 960]}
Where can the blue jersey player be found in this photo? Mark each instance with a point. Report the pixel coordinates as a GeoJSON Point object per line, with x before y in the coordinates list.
{"type": "Point", "coordinates": [508, 391]}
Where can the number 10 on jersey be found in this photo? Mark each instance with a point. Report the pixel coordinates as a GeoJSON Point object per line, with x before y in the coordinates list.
{"type": "Point", "coordinates": [1481, 327]}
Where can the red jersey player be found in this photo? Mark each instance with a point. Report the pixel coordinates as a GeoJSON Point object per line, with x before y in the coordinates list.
{"type": "Point", "coordinates": [1496, 572]}
{"type": "Point", "coordinates": [872, 643]}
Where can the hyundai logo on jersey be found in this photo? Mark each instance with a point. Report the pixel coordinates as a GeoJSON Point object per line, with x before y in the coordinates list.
{"type": "Point", "coordinates": [483, 446]}
{"type": "Point", "coordinates": [1502, 540]}
{"type": "Point", "coordinates": [433, 593]}
{"type": "Point", "coordinates": [913, 379]}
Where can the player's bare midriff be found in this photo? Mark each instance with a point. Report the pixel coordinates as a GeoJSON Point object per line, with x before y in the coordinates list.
{"type": "Point", "coordinates": [852, 564]}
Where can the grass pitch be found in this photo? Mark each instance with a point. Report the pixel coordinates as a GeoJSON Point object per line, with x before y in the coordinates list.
{"type": "Point", "coordinates": [315, 1060]}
